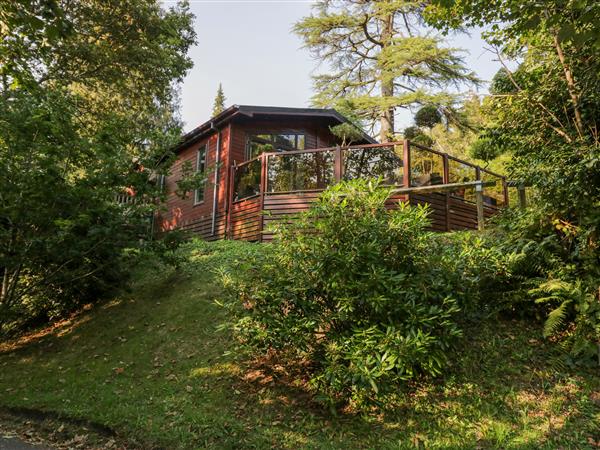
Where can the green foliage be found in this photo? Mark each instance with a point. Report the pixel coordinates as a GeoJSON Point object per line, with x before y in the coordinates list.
{"type": "Point", "coordinates": [219, 103]}
{"type": "Point", "coordinates": [575, 322]}
{"type": "Point", "coordinates": [86, 116]}
{"type": "Point", "coordinates": [424, 140]}
{"type": "Point", "coordinates": [549, 279]}
{"type": "Point", "coordinates": [428, 116]}
{"type": "Point", "coordinates": [411, 132]}
{"type": "Point", "coordinates": [353, 289]}
{"type": "Point", "coordinates": [190, 179]}
{"type": "Point", "coordinates": [415, 134]}
{"type": "Point", "coordinates": [545, 112]}
{"type": "Point", "coordinates": [502, 83]}
{"type": "Point", "coordinates": [380, 46]}
{"type": "Point", "coordinates": [515, 21]}
{"type": "Point", "coordinates": [348, 133]}
{"type": "Point", "coordinates": [485, 149]}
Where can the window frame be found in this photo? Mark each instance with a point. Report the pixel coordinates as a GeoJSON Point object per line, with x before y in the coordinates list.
{"type": "Point", "coordinates": [201, 167]}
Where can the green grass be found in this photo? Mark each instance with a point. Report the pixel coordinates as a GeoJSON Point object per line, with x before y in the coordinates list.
{"type": "Point", "coordinates": [151, 365]}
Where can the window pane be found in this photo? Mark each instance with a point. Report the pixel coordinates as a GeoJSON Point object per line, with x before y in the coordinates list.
{"type": "Point", "coordinates": [200, 168]}
{"type": "Point", "coordinates": [300, 171]}
{"type": "Point", "coordinates": [426, 168]}
{"type": "Point", "coordinates": [384, 162]}
{"type": "Point", "coordinates": [285, 141]}
{"type": "Point", "coordinates": [260, 143]}
{"type": "Point", "coordinates": [460, 173]}
{"type": "Point", "coordinates": [201, 161]}
{"type": "Point", "coordinates": [257, 147]}
{"type": "Point", "coordinates": [246, 181]}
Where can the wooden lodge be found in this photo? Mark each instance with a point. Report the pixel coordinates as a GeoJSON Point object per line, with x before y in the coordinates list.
{"type": "Point", "coordinates": [266, 164]}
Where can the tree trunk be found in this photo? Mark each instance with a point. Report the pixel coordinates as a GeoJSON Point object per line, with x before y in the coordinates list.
{"type": "Point", "coordinates": [572, 88]}
{"type": "Point", "coordinates": [4, 288]}
{"type": "Point", "coordinates": [386, 132]}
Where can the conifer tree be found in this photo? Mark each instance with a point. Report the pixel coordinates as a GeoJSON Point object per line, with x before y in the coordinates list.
{"type": "Point", "coordinates": [219, 104]}
{"type": "Point", "coordinates": [381, 59]}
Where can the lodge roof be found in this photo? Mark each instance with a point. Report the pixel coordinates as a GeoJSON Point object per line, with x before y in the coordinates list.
{"type": "Point", "coordinates": [251, 111]}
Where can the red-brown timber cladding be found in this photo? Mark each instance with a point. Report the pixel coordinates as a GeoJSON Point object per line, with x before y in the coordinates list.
{"type": "Point", "coordinates": [458, 214]}
{"type": "Point", "coordinates": [197, 218]}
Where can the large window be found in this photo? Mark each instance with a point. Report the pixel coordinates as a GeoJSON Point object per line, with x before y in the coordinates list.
{"type": "Point", "coordinates": [200, 169]}
{"type": "Point", "coordinates": [260, 143]}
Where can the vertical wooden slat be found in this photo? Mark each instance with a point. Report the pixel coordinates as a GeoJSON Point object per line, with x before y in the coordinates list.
{"type": "Point", "coordinates": [505, 189]}
{"type": "Point", "coordinates": [446, 170]}
{"type": "Point", "coordinates": [522, 196]}
{"type": "Point", "coordinates": [446, 164]}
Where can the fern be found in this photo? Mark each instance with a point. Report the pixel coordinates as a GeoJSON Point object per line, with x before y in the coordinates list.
{"type": "Point", "coordinates": [556, 290]}
{"type": "Point", "coordinates": [556, 319]}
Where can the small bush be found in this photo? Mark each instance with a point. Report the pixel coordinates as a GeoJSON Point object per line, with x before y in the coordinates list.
{"type": "Point", "coordinates": [555, 275]}
{"type": "Point", "coordinates": [356, 292]}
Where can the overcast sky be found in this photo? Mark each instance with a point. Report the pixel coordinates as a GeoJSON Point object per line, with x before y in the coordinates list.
{"type": "Point", "coordinates": [248, 46]}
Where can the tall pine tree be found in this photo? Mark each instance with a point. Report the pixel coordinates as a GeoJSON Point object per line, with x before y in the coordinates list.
{"type": "Point", "coordinates": [219, 104]}
{"type": "Point", "coordinates": [381, 59]}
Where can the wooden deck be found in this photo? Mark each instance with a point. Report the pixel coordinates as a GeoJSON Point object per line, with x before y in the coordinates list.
{"type": "Point", "coordinates": [276, 186]}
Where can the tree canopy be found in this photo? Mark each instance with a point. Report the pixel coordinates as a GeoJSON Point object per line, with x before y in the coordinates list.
{"type": "Point", "coordinates": [380, 58]}
{"type": "Point", "coordinates": [87, 115]}
{"type": "Point", "coordinates": [544, 115]}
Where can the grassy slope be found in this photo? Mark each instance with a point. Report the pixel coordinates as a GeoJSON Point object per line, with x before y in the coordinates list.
{"type": "Point", "coordinates": [151, 366]}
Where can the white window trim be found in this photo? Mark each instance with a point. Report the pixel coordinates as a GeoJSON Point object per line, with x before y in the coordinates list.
{"type": "Point", "coordinates": [198, 160]}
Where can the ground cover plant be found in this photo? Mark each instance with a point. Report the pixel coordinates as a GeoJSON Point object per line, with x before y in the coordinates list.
{"type": "Point", "coordinates": [152, 366]}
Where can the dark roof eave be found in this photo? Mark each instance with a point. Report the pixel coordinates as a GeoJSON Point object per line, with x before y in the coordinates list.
{"type": "Point", "coordinates": [249, 111]}
{"type": "Point", "coordinates": [198, 132]}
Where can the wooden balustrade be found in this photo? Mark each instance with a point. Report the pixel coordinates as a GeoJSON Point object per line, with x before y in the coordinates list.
{"type": "Point", "coordinates": [264, 201]}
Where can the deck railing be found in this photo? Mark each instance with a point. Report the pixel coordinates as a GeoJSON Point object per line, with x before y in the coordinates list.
{"type": "Point", "coordinates": [400, 164]}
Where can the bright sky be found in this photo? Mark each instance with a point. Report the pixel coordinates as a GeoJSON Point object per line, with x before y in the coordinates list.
{"type": "Point", "coordinates": [248, 46]}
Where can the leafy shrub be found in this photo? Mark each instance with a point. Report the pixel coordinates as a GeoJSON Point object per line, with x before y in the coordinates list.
{"type": "Point", "coordinates": [478, 269]}
{"type": "Point", "coordinates": [354, 290]}
{"type": "Point", "coordinates": [555, 272]}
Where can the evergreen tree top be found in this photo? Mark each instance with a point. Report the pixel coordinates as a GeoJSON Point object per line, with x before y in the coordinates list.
{"type": "Point", "coordinates": [381, 57]}
{"type": "Point", "coordinates": [219, 103]}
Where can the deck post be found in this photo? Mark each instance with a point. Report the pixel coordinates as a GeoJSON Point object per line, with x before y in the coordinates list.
{"type": "Point", "coordinates": [406, 162]}
{"type": "Point", "coordinates": [479, 201]}
{"type": "Point", "coordinates": [264, 160]}
{"type": "Point", "coordinates": [446, 179]}
{"type": "Point", "coordinates": [522, 195]}
{"type": "Point", "coordinates": [446, 170]}
{"type": "Point", "coordinates": [337, 164]}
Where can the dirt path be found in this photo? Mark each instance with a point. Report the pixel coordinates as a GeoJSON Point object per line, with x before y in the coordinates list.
{"type": "Point", "coordinates": [13, 443]}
